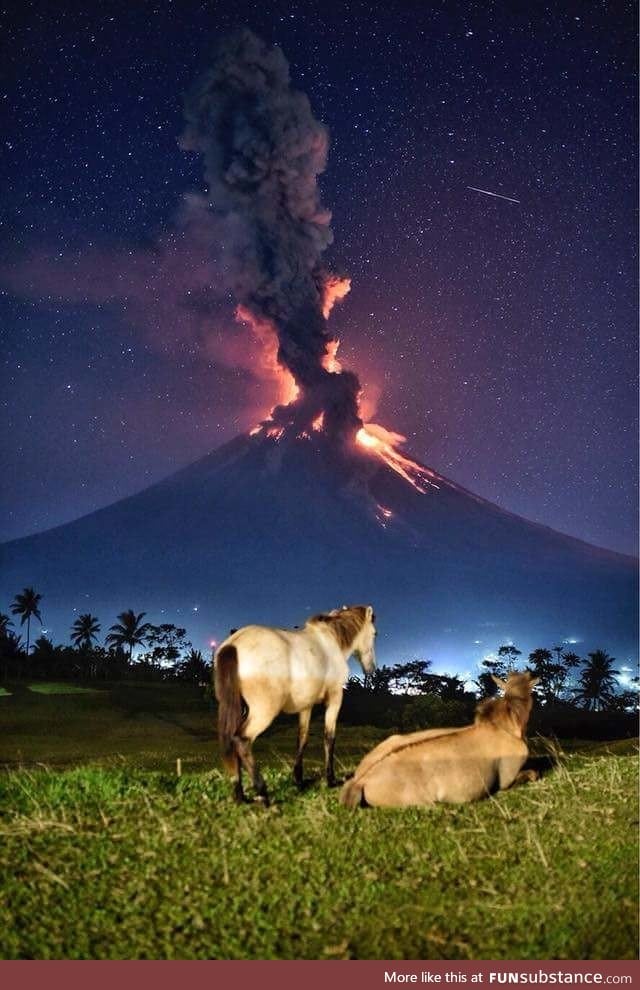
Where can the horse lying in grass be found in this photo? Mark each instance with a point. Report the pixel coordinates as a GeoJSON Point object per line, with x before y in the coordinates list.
{"type": "Point", "coordinates": [454, 765]}
{"type": "Point", "coordinates": [260, 672]}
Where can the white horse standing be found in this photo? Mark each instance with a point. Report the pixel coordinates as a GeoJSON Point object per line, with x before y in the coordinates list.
{"type": "Point", "coordinates": [260, 672]}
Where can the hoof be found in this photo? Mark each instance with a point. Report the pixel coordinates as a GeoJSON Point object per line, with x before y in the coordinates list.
{"type": "Point", "coordinates": [334, 782]}
{"type": "Point", "coordinates": [304, 785]}
{"type": "Point", "coordinates": [238, 796]}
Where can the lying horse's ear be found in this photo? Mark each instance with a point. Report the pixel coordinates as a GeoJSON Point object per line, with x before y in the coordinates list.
{"type": "Point", "coordinates": [533, 680]}
{"type": "Point", "coordinates": [370, 613]}
{"type": "Point", "coordinates": [498, 680]}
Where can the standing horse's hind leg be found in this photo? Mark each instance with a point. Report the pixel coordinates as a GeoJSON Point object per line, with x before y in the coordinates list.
{"type": "Point", "coordinates": [238, 792]}
{"type": "Point", "coordinates": [330, 719]}
{"type": "Point", "coordinates": [248, 762]}
{"type": "Point", "coordinates": [304, 718]}
{"type": "Point", "coordinates": [233, 765]}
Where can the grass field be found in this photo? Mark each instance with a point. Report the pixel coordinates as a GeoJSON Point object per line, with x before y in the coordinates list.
{"type": "Point", "coordinates": [60, 687]}
{"type": "Point", "coordinates": [106, 853]}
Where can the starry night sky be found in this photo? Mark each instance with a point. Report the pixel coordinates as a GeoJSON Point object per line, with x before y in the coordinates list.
{"type": "Point", "coordinates": [499, 337]}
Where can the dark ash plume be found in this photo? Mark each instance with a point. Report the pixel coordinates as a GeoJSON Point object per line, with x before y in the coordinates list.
{"type": "Point", "coordinates": [263, 151]}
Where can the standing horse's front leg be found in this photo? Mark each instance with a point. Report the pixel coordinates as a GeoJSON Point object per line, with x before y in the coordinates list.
{"type": "Point", "coordinates": [304, 717]}
{"type": "Point", "coordinates": [330, 719]}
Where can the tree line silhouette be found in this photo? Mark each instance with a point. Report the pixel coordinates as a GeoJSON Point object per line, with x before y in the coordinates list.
{"type": "Point", "coordinates": [164, 652]}
{"type": "Point", "coordinates": [576, 698]}
{"type": "Point", "coordinates": [167, 653]}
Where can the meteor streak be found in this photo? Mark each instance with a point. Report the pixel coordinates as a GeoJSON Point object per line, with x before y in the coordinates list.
{"type": "Point", "coordinates": [486, 192]}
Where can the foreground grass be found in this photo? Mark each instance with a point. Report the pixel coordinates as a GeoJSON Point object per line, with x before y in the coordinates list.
{"type": "Point", "coordinates": [107, 854]}
{"type": "Point", "coordinates": [119, 863]}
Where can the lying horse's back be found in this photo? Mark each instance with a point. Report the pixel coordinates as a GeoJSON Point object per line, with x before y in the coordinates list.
{"type": "Point", "coordinates": [459, 766]}
{"type": "Point", "coordinates": [393, 743]}
{"type": "Point", "coordinates": [453, 765]}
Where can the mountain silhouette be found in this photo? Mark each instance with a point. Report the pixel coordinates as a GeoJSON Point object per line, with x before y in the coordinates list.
{"type": "Point", "coordinates": [271, 530]}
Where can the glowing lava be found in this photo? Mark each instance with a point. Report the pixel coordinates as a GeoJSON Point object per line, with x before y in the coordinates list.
{"type": "Point", "coordinates": [383, 443]}
{"type": "Point", "coordinates": [275, 432]}
{"type": "Point", "coordinates": [380, 442]}
{"type": "Point", "coordinates": [383, 515]}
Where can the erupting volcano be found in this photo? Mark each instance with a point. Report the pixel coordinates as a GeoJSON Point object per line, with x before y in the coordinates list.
{"type": "Point", "coordinates": [314, 506]}
{"type": "Point", "coordinates": [263, 151]}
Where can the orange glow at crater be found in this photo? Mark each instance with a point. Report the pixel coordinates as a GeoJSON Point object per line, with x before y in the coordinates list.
{"type": "Point", "coordinates": [375, 439]}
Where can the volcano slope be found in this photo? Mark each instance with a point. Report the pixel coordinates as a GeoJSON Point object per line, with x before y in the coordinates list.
{"type": "Point", "coordinates": [270, 529]}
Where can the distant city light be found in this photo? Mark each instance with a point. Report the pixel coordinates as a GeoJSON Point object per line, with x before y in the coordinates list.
{"type": "Point", "coordinates": [626, 677]}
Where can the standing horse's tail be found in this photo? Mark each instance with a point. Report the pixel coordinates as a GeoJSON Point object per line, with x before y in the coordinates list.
{"type": "Point", "coordinates": [352, 793]}
{"type": "Point", "coordinates": [230, 702]}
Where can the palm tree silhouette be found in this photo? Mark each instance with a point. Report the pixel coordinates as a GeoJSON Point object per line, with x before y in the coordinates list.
{"type": "Point", "coordinates": [597, 681]}
{"type": "Point", "coordinates": [510, 653]}
{"type": "Point", "coordinates": [571, 659]}
{"type": "Point", "coordinates": [85, 630]}
{"type": "Point", "coordinates": [129, 630]}
{"type": "Point", "coordinates": [5, 624]}
{"type": "Point", "coordinates": [27, 604]}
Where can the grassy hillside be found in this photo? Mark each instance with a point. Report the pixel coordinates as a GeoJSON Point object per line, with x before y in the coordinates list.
{"type": "Point", "coordinates": [114, 856]}
{"type": "Point", "coordinates": [141, 725]}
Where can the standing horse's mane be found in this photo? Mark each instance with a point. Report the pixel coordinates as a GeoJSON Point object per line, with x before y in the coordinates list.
{"type": "Point", "coordinates": [345, 623]}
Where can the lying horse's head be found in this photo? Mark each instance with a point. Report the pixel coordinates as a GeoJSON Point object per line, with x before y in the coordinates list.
{"type": "Point", "coordinates": [517, 684]}
{"type": "Point", "coordinates": [512, 711]}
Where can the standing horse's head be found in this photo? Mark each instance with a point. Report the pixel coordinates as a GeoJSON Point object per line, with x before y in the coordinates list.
{"type": "Point", "coordinates": [354, 629]}
{"type": "Point", "coordinates": [364, 643]}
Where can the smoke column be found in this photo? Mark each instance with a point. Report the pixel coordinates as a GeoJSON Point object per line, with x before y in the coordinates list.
{"type": "Point", "coordinates": [263, 151]}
